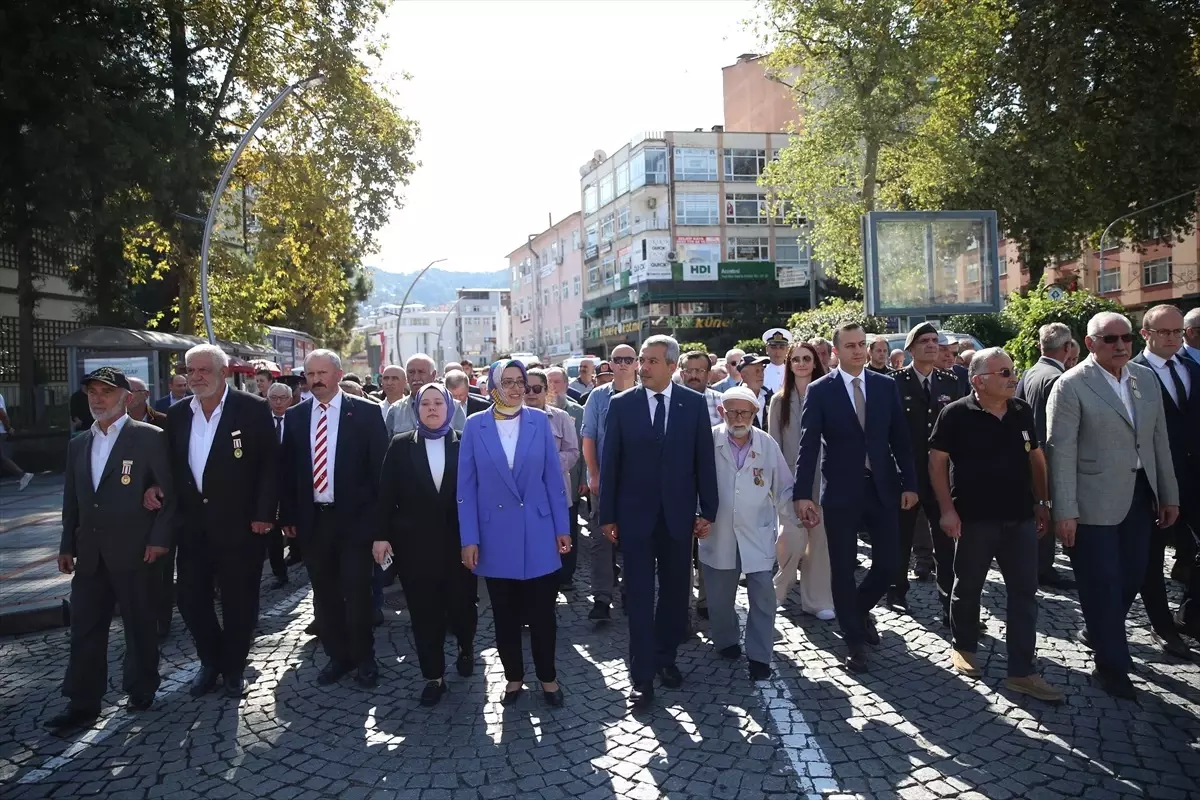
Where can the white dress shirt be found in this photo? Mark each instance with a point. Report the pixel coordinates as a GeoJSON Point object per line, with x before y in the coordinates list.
{"type": "Point", "coordinates": [773, 376]}
{"type": "Point", "coordinates": [848, 380]}
{"type": "Point", "coordinates": [435, 451]}
{"type": "Point", "coordinates": [1160, 368]}
{"type": "Point", "coordinates": [1123, 391]}
{"type": "Point", "coordinates": [201, 440]}
{"type": "Point", "coordinates": [333, 415]}
{"type": "Point", "coordinates": [652, 402]}
{"type": "Point", "coordinates": [102, 445]}
{"type": "Point", "coordinates": [509, 431]}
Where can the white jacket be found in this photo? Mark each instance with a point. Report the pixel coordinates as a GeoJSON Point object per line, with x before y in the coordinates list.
{"type": "Point", "coordinates": [751, 502]}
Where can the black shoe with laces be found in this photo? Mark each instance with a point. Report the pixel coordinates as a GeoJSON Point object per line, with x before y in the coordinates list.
{"type": "Point", "coordinates": [72, 718]}
{"type": "Point", "coordinates": [870, 632]}
{"type": "Point", "coordinates": [432, 694]}
{"type": "Point", "coordinates": [759, 671]}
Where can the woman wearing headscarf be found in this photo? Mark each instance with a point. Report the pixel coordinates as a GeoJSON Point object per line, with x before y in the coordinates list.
{"type": "Point", "coordinates": [512, 513]}
{"type": "Point", "coordinates": [418, 488]}
{"type": "Point", "coordinates": [797, 548]}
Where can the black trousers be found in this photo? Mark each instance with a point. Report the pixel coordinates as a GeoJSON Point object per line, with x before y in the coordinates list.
{"type": "Point", "coordinates": [236, 570]}
{"type": "Point", "coordinates": [943, 547]}
{"type": "Point", "coordinates": [1154, 588]}
{"type": "Point", "coordinates": [275, 543]}
{"type": "Point", "coordinates": [1013, 545]}
{"type": "Point", "coordinates": [340, 568]}
{"type": "Point", "coordinates": [842, 525]}
{"type": "Point", "coordinates": [514, 603]}
{"type": "Point", "coordinates": [1045, 556]}
{"type": "Point", "coordinates": [566, 573]}
{"type": "Point", "coordinates": [92, 599]}
{"type": "Point", "coordinates": [437, 606]}
{"type": "Point", "coordinates": [657, 624]}
{"type": "Point", "coordinates": [163, 580]}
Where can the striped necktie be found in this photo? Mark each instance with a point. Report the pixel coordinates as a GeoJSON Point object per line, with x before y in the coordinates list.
{"type": "Point", "coordinates": [320, 449]}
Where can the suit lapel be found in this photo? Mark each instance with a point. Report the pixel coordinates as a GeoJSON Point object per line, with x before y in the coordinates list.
{"type": "Point", "coordinates": [529, 430]}
{"type": "Point", "coordinates": [345, 420]}
{"type": "Point", "coordinates": [119, 448]}
{"type": "Point", "coordinates": [491, 443]}
{"type": "Point", "coordinates": [450, 476]}
{"type": "Point", "coordinates": [303, 426]}
{"type": "Point", "coordinates": [1100, 385]}
{"type": "Point", "coordinates": [420, 460]}
{"type": "Point", "coordinates": [843, 399]}
{"type": "Point", "coordinates": [222, 440]}
{"type": "Point", "coordinates": [86, 467]}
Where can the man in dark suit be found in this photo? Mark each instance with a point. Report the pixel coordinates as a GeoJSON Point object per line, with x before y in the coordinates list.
{"type": "Point", "coordinates": [924, 392]}
{"type": "Point", "coordinates": [280, 399]}
{"type": "Point", "coordinates": [179, 390]}
{"type": "Point", "coordinates": [658, 466]}
{"type": "Point", "coordinates": [1054, 341]}
{"type": "Point", "coordinates": [164, 568]}
{"type": "Point", "coordinates": [333, 450]}
{"type": "Point", "coordinates": [1162, 328]}
{"type": "Point", "coordinates": [867, 478]}
{"type": "Point", "coordinates": [224, 459]}
{"type": "Point", "coordinates": [110, 543]}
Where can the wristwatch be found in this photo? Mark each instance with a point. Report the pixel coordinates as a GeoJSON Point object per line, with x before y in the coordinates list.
{"type": "Point", "coordinates": [1046, 503]}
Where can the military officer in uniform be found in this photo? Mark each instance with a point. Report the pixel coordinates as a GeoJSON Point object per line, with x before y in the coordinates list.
{"type": "Point", "coordinates": [777, 340]}
{"type": "Point", "coordinates": [109, 544]}
{"type": "Point", "coordinates": [924, 391]}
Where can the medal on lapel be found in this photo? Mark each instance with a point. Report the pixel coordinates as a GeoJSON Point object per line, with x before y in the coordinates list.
{"type": "Point", "coordinates": [126, 469]}
{"type": "Point", "coordinates": [758, 476]}
{"type": "Point", "coordinates": [1133, 385]}
{"type": "Point", "coordinates": [237, 444]}
{"type": "Point", "coordinates": [1028, 444]}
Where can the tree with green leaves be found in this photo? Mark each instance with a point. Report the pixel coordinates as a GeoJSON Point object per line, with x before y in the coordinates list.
{"type": "Point", "coordinates": [822, 320]}
{"type": "Point", "coordinates": [1026, 313]}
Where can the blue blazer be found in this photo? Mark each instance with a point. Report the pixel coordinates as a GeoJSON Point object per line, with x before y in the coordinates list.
{"type": "Point", "coordinates": [362, 441]}
{"type": "Point", "coordinates": [640, 477]}
{"type": "Point", "coordinates": [513, 515]}
{"type": "Point", "coordinates": [827, 414]}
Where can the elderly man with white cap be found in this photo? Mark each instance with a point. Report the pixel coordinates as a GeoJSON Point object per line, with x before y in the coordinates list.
{"type": "Point", "coordinates": [754, 488]}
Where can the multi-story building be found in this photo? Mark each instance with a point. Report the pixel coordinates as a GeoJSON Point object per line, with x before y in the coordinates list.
{"type": "Point", "coordinates": [680, 238]}
{"type": "Point", "coordinates": [753, 101]}
{"type": "Point", "coordinates": [547, 292]}
{"type": "Point", "coordinates": [483, 324]}
{"type": "Point", "coordinates": [418, 330]}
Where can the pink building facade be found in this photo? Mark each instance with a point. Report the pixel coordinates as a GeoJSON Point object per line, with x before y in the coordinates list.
{"type": "Point", "coordinates": [547, 292]}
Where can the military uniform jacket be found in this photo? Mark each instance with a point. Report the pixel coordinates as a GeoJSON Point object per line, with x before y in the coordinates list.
{"type": "Point", "coordinates": [109, 522]}
{"type": "Point", "coordinates": [921, 413]}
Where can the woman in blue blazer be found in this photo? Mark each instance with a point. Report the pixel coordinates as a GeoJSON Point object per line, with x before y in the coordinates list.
{"type": "Point", "coordinates": [514, 524]}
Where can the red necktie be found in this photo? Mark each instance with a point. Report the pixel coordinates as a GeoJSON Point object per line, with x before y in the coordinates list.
{"type": "Point", "coordinates": [320, 475]}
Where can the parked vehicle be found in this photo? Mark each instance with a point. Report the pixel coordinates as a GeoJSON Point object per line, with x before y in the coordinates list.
{"type": "Point", "coordinates": [571, 365]}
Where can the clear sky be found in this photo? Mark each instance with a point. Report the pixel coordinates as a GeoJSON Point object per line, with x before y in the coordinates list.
{"type": "Point", "coordinates": [513, 97]}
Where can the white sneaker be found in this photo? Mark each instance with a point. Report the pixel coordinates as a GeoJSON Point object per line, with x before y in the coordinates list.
{"type": "Point", "coordinates": [25, 479]}
{"type": "Point", "coordinates": [826, 614]}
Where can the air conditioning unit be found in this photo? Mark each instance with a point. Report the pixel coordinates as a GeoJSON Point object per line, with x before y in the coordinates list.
{"type": "Point", "coordinates": [672, 256]}
{"type": "Point", "coordinates": [524, 318]}
{"type": "Point", "coordinates": [651, 202]}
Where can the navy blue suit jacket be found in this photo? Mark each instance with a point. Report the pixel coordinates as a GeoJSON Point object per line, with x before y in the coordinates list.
{"type": "Point", "coordinates": [640, 477]}
{"type": "Point", "coordinates": [1183, 426]}
{"type": "Point", "coordinates": [362, 441]}
{"type": "Point", "coordinates": [827, 414]}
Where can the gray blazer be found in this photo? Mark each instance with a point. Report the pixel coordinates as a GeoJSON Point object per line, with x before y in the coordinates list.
{"type": "Point", "coordinates": [109, 522]}
{"type": "Point", "coordinates": [402, 417]}
{"type": "Point", "coordinates": [1035, 388]}
{"type": "Point", "coordinates": [1093, 448]}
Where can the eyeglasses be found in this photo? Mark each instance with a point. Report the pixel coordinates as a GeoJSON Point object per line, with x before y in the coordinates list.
{"type": "Point", "coordinates": [1166, 331]}
{"type": "Point", "coordinates": [511, 383]}
{"type": "Point", "coordinates": [626, 360]}
{"type": "Point", "coordinates": [1112, 338]}
{"type": "Point", "coordinates": [534, 388]}
{"type": "Point", "coordinates": [802, 359]}
{"type": "Point", "coordinates": [739, 414]}
{"type": "Point", "coordinates": [1004, 373]}
{"type": "Point", "coordinates": [696, 371]}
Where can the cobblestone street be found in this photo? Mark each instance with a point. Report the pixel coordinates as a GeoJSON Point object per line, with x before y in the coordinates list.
{"type": "Point", "coordinates": [910, 728]}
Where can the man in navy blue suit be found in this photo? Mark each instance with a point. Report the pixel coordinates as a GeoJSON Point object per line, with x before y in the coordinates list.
{"type": "Point", "coordinates": [658, 466]}
{"type": "Point", "coordinates": [332, 454]}
{"type": "Point", "coordinates": [868, 477]}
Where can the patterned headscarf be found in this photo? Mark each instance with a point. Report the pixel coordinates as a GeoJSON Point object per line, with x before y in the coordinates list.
{"type": "Point", "coordinates": [423, 430]}
{"type": "Point", "coordinates": [499, 409]}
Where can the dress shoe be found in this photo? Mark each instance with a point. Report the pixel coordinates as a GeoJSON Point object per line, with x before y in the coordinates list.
{"type": "Point", "coordinates": [641, 696]}
{"type": "Point", "coordinates": [1035, 686]}
{"type": "Point", "coordinates": [139, 702]}
{"type": "Point", "coordinates": [368, 674]}
{"type": "Point", "coordinates": [72, 718]}
{"type": "Point", "coordinates": [733, 652]}
{"type": "Point", "coordinates": [870, 632]}
{"type": "Point", "coordinates": [378, 619]}
{"type": "Point", "coordinates": [280, 581]}
{"type": "Point", "coordinates": [671, 677]}
{"type": "Point", "coordinates": [334, 671]}
{"type": "Point", "coordinates": [601, 612]}
{"type": "Point", "coordinates": [235, 687]}
{"type": "Point", "coordinates": [465, 663]}
{"type": "Point", "coordinates": [1186, 623]}
{"type": "Point", "coordinates": [964, 662]}
{"type": "Point", "coordinates": [897, 599]}
{"type": "Point", "coordinates": [760, 671]}
{"type": "Point", "coordinates": [311, 629]}
{"type": "Point", "coordinates": [554, 698]}
{"type": "Point", "coordinates": [508, 698]}
{"type": "Point", "coordinates": [1116, 684]}
{"type": "Point", "coordinates": [1172, 645]}
{"type": "Point", "coordinates": [924, 574]}
{"type": "Point", "coordinates": [205, 681]}
{"type": "Point", "coordinates": [856, 660]}
{"type": "Point", "coordinates": [432, 694]}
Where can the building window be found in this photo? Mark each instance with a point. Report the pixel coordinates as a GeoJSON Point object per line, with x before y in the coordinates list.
{"type": "Point", "coordinates": [1156, 272]}
{"type": "Point", "coordinates": [789, 251]}
{"type": "Point", "coordinates": [578, 331]}
{"type": "Point", "coordinates": [745, 209]}
{"type": "Point", "coordinates": [589, 200]}
{"type": "Point", "coordinates": [648, 167]}
{"type": "Point", "coordinates": [606, 227]}
{"type": "Point", "coordinates": [622, 179]}
{"type": "Point", "coordinates": [748, 248]}
{"type": "Point", "coordinates": [744, 165]}
{"type": "Point", "coordinates": [1003, 266]}
{"type": "Point", "coordinates": [972, 273]}
{"type": "Point", "coordinates": [575, 282]}
{"type": "Point", "coordinates": [593, 232]}
{"type": "Point", "coordinates": [696, 209]}
{"type": "Point", "coordinates": [1110, 281]}
{"type": "Point", "coordinates": [555, 294]}
{"type": "Point", "coordinates": [695, 164]}
{"type": "Point", "coordinates": [566, 290]}
{"type": "Point", "coordinates": [593, 277]}
{"type": "Point", "coordinates": [691, 309]}
{"type": "Point", "coordinates": [622, 222]}
{"type": "Point", "coordinates": [574, 240]}
{"type": "Point", "coordinates": [609, 268]}
{"type": "Point", "coordinates": [606, 190]}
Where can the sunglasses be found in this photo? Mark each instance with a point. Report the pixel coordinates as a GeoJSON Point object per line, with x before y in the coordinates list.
{"type": "Point", "coordinates": [1004, 373]}
{"type": "Point", "coordinates": [1113, 338]}
{"type": "Point", "coordinates": [802, 359]}
{"type": "Point", "coordinates": [534, 388]}
{"type": "Point", "coordinates": [623, 359]}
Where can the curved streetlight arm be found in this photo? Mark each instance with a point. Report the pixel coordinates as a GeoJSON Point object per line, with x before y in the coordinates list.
{"type": "Point", "coordinates": [315, 80]}
{"type": "Point", "coordinates": [404, 302]}
{"type": "Point", "coordinates": [1124, 217]}
{"type": "Point", "coordinates": [442, 327]}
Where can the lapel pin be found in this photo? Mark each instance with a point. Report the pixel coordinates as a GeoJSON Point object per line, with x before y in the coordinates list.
{"type": "Point", "coordinates": [126, 468]}
{"type": "Point", "coordinates": [237, 444]}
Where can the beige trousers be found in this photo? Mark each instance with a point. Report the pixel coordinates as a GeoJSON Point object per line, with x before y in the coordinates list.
{"type": "Point", "coordinates": [799, 548]}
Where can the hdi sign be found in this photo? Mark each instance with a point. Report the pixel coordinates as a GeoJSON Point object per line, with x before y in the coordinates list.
{"type": "Point", "coordinates": [699, 272]}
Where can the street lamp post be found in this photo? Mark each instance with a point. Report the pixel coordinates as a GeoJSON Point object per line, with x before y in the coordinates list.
{"type": "Point", "coordinates": [404, 302]}
{"type": "Point", "coordinates": [298, 86]}
{"type": "Point", "coordinates": [442, 327]}
{"type": "Point", "coordinates": [1123, 217]}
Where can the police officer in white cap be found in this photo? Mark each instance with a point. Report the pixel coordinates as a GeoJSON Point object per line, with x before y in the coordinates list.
{"type": "Point", "coordinates": [777, 340]}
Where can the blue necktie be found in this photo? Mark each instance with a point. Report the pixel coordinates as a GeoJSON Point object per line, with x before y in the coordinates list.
{"type": "Point", "coordinates": [660, 417]}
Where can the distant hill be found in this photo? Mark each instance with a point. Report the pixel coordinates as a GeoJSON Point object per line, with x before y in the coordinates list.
{"type": "Point", "coordinates": [437, 287]}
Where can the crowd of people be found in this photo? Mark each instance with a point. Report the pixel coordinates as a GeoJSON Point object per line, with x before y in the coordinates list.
{"type": "Point", "coordinates": [693, 474]}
